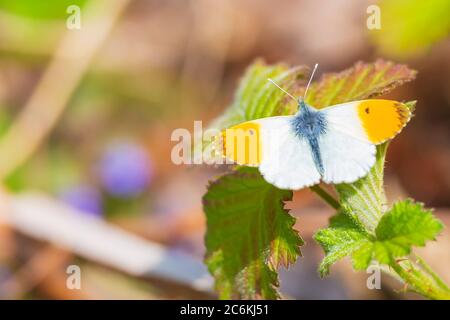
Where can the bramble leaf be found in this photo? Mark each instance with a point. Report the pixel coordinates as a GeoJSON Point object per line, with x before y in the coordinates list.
{"type": "Point", "coordinates": [340, 239]}
{"type": "Point", "coordinates": [362, 81]}
{"type": "Point", "coordinates": [406, 224]}
{"type": "Point", "coordinates": [249, 235]}
{"type": "Point", "coordinates": [257, 98]}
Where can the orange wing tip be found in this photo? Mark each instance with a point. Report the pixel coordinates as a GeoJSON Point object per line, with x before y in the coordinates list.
{"type": "Point", "coordinates": [383, 119]}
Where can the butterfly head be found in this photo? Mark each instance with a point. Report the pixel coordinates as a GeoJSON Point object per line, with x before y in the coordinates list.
{"type": "Point", "coordinates": [303, 107]}
{"type": "Point", "coordinates": [301, 104]}
{"type": "Point", "coordinates": [300, 100]}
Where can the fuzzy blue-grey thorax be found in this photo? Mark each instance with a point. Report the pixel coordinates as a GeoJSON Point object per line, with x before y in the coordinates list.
{"type": "Point", "coordinates": [310, 124]}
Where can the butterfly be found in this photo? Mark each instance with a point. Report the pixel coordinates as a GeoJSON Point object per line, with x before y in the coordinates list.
{"type": "Point", "coordinates": [336, 144]}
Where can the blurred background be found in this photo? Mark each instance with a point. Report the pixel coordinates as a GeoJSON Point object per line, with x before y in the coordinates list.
{"type": "Point", "coordinates": [86, 117]}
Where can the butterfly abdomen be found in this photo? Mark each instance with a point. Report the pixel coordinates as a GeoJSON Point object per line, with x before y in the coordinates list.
{"type": "Point", "coordinates": [310, 124]}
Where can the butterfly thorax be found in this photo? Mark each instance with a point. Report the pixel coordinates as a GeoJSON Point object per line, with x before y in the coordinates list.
{"type": "Point", "coordinates": [309, 124]}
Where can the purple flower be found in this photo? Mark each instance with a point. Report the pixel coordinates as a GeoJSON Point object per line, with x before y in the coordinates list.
{"type": "Point", "coordinates": [125, 170]}
{"type": "Point", "coordinates": [84, 198]}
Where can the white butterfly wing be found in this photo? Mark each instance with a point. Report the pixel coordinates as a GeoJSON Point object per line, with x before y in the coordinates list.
{"type": "Point", "coordinates": [286, 161]}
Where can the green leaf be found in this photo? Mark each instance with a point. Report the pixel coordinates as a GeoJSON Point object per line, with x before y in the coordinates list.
{"type": "Point", "coordinates": [249, 235]}
{"type": "Point", "coordinates": [257, 98]}
{"type": "Point", "coordinates": [340, 239]}
{"type": "Point", "coordinates": [406, 224]}
{"type": "Point", "coordinates": [410, 27]}
{"type": "Point", "coordinates": [362, 257]}
{"type": "Point", "coordinates": [362, 81]}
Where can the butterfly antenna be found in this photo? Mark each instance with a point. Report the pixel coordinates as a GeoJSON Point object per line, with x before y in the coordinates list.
{"type": "Point", "coordinates": [310, 79]}
{"type": "Point", "coordinates": [290, 95]}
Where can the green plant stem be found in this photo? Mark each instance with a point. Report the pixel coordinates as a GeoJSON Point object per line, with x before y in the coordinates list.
{"type": "Point", "coordinates": [328, 198]}
{"type": "Point", "coordinates": [433, 274]}
{"type": "Point", "coordinates": [421, 280]}
{"type": "Point", "coordinates": [418, 276]}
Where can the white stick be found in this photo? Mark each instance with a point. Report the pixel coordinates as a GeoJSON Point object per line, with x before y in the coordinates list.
{"type": "Point", "coordinates": [41, 217]}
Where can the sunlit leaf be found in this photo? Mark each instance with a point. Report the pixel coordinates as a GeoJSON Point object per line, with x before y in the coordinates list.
{"type": "Point", "coordinates": [407, 224]}
{"type": "Point", "coordinates": [362, 81]}
{"type": "Point", "coordinates": [340, 239]}
{"type": "Point", "coordinates": [249, 235]}
{"type": "Point", "coordinates": [257, 98]}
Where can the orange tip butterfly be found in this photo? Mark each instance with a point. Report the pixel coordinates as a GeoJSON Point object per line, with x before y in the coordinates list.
{"type": "Point", "coordinates": [334, 144]}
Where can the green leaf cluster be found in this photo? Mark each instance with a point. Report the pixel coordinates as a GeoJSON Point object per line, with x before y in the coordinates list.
{"type": "Point", "coordinates": [250, 234]}
{"type": "Point", "coordinates": [406, 225]}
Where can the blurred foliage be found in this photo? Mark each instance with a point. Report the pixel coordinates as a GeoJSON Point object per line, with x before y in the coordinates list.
{"type": "Point", "coordinates": [410, 27]}
{"type": "Point", "coordinates": [5, 120]}
{"type": "Point", "coordinates": [48, 9]}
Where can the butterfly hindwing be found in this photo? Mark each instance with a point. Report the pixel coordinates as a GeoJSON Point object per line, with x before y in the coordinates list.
{"type": "Point", "coordinates": [345, 158]}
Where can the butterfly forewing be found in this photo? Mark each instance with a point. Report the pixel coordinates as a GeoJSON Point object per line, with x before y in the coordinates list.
{"type": "Point", "coordinates": [373, 120]}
